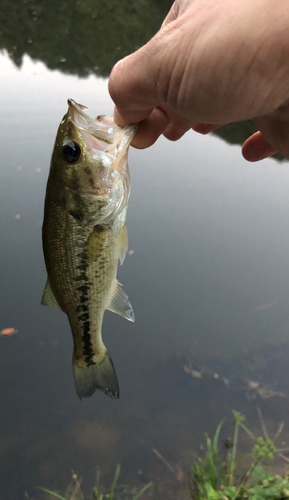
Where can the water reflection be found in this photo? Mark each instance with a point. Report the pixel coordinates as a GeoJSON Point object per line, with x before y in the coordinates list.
{"type": "Point", "coordinates": [78, 36]}
{"type": "Point", "coordinates": [210, 239]}
{"type": "Point", "coordinates": [88, 37]}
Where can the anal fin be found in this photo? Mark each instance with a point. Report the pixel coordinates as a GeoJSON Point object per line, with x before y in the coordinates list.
{"type": "Point", "coordinates": [119, 303]}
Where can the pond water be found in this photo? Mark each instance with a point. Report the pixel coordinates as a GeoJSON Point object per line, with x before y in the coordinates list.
{"type": "Point", "coordinates": [207, 274]}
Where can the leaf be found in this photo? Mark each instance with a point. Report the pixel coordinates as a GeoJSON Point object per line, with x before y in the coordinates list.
{"type": "Point", "coordinates": [260, 473]}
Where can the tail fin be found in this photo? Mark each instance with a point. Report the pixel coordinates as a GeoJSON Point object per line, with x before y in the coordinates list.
{"type": "Point", "coordinates": [100, 375]}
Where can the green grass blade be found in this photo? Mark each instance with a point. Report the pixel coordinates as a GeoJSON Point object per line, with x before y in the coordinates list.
{"type": "Point", "coordinates": [114, 483]}
{"type": "Point", "coordinates": [217, 435]}
{"type": "Point", "coordinates": [281, 426]}
{"type": "Point", "coordinates": [50, 492]}
{"type": "Point", "coordinates": [95, 495]}
{"type": "Point", "coordinates": [245, 428]}
{"type": "Point", "coordinates": [142, 491]}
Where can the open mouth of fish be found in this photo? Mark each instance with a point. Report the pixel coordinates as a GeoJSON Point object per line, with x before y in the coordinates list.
{"type": "Point", "coordinates": [102, 134]}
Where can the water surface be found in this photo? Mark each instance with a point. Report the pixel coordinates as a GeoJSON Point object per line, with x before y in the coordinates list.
{"type": "Point", "coordinates": [207, 276]}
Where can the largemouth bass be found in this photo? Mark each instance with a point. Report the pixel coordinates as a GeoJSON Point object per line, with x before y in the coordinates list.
{"type": "Point", "coordinates": [84, 235]}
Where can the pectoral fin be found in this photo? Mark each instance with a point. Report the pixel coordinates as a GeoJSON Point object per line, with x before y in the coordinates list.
{"type": "Point", "coordinates": [120, 304]}
{"type": "Point", "coordinates": [123, 244]}
{"type": "Point", "coordinates": [48, 298]}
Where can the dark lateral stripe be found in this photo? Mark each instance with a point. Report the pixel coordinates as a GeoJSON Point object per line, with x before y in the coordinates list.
{"type": "Point", "coordinates": [84, 316]}
{"type": "Point", "coordinates": [88, 352]}
{"type": "Point", "coordinates": [89, 361]}
{"type": "Point", "coordinates": [83, 289]}
{"type": "Point", "coordinates": [82, 266]}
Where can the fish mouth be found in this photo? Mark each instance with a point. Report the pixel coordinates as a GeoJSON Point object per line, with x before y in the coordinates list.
{"type": "Point", "coordinates": [102, 133]}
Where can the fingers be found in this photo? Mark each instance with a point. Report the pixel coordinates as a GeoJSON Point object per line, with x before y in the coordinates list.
{"type": "Point", "coordinates": [204, 128]}
{"type": "Point", "coordinates": [160, 121]}
{"type": "Point", "coordinates": [174, 132]}
{"type": "Point", "coordinates": [275, 130]}
{"type": "Point", "coordinates": [256, 148]}
{"type": "Point", "coordinates": [150, 129]}
{"type": "Point", "coordinates": [177, 125]}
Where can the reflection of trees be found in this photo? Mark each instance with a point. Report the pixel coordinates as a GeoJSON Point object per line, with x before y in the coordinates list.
{"type": "Point", "coordinates": [78, 36]}
{"type": "Point", "coordinates": [237, 133]}
{"type": "Point", "coordinates": [87, 36]}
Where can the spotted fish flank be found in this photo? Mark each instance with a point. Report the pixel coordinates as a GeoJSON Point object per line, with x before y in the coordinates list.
{"type": "Point", "coordinates": [84, 236]}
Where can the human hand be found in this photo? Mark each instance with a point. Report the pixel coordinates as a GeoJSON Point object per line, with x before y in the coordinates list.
{"type": "Point", "coordinates": [212, 62]}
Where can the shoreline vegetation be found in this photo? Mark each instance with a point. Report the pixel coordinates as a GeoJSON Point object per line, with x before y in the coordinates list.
{"type": "Point", "coordinates": [220, 472]}
{"type": "Point", "coordinates": [74, 490]}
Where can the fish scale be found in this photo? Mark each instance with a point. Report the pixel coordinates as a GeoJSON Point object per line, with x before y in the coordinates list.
{"type": "Point", "coordinates": [84, 236]}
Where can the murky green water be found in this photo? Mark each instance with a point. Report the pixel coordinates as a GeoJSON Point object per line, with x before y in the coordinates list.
{"type": "Point", "coordinates": [207, 274]}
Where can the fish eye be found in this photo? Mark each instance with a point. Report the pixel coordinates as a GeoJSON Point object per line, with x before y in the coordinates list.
{"type": "Point", "coordinates": [71, 152]}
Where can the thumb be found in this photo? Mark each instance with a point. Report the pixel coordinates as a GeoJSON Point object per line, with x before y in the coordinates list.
{"type": "Point", "coordinates": [138, 83]}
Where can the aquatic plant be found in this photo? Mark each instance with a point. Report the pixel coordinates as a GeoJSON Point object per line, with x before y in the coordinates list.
{"type": "Point", "coordinates": [74, 491]}
{"type": "Point", "coordinates": [216, 478]}
{"type": "Point", "coordinates": [221, 474]}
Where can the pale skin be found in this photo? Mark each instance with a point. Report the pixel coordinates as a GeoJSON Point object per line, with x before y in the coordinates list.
{"type": "Point", "coordinates": [212, 62]}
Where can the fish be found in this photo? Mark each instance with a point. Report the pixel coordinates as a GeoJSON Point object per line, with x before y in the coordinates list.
{"type": "Point", "coordinates": [84, 236]}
